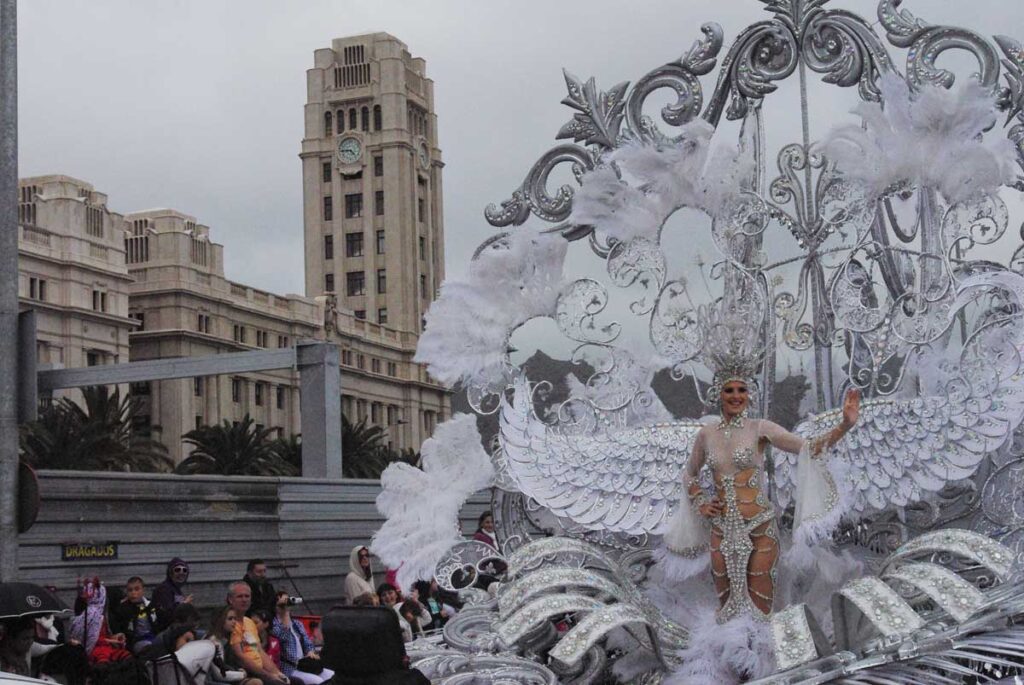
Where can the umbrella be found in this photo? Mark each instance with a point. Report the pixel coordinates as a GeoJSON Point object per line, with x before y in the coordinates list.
{"type": "Point", "coordinates": [27, 599]}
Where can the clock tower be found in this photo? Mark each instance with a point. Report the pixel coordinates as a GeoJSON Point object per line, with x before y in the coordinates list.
{"type": "Point", "coordinates": [371, 175]}
{"type": "Point", "coordinates": [372, 226]}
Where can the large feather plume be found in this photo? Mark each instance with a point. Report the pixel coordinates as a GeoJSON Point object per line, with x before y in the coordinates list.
{"type": "Point", "coordinates": [932, 138]}
{"type": "Point", "coordinates": [656, 180]}
{"type": "Point", "coordinates": [422, 505]}
{"type": "Point", "coordinates": [468, 326]}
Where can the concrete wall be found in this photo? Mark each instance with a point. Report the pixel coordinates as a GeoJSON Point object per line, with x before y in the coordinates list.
{"type": "Point", "coordinates": [215, 523]}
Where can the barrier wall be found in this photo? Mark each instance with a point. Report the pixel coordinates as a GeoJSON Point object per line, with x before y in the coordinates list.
{"type": "Point", "coordinates": [216, 523]}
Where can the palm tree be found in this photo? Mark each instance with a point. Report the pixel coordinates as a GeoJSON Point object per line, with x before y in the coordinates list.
{"type": "Point", "coordinates": [364, 453]}
{"type": "Point", "coordinates": [98, 437]}
{"type": "Point", "coordinates": [233, 449]}
{"type": "Point", "coordinates": [290, 450]}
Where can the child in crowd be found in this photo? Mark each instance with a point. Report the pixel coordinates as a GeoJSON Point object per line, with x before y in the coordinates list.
{"type": "Point", "coordinates": [221, 627]}
{"type": "Point", "coordinates": [90, 627]}
{"type": "Point", "coordinates": [271, 645]}
{"type": "Point", "coordinates": [135, 616]}
{"type": "Point", "coordinates": [411, 613]}
{"type": "Point", "coordinates": [429, 595]}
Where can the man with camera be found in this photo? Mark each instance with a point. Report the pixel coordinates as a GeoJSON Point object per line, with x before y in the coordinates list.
{"type": "Point", "coordinates": [299, 659]}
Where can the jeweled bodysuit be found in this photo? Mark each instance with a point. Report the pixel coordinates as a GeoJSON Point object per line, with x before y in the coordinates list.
{"type": "Point", "coordinates": [744, 538]}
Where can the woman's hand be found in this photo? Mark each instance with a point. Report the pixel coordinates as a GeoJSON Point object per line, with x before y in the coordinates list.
{"type": "Point", "coordinates": [851, 408]}
{"type": "Point", "coordinates": [711, 508]}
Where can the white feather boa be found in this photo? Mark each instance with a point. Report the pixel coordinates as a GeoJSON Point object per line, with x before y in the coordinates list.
{"type": "Point", "coordinates": [933, 138]}
{"type": "Point", "coordinates": [657, 180]}
{"type": "Point", "coordinates": [468, 326]}
{"type": "Point", "coordinates": [422, 505]}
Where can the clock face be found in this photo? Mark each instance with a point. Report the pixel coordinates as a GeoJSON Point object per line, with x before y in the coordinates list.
{"type": "Point", "coordinates": [424, 155]}
{"type": "Point", "coordinates": [349, 150]}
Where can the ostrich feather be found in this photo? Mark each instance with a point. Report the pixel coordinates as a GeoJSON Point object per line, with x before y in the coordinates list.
{"type": "Point", "coordinates": [422, 505]}
{"type": "Point", "coordinates": [468, 326]}
{"type": "Point", "coordinates": [933, 138]}
{"type": "Point", "coordinates": [656, 180]}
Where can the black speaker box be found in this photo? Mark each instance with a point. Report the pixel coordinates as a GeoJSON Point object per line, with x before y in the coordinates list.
{"type": "Point", "coordinates": [361, 642]}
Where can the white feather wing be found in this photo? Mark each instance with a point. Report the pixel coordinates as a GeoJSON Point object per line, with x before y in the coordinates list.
{"type": "Point", "coordinates": [618, 479]}
{"type": "Point", "coordinates": [900, 450]}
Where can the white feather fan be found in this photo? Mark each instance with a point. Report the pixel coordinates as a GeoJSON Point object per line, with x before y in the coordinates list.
{"type": "Point", "coordinates": [422, 505]}
{"type": "Point", "coordinates": [468, 327]}
{"type": "Point", "coordinates": [934, 138]}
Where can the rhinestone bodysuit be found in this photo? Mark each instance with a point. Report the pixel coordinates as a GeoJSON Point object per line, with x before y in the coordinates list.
{"type": "Point", "coordinates": [733, 451]}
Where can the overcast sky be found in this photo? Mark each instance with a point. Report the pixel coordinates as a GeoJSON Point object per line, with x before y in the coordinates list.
{"type": "Point", "coordinates": [198, 104]}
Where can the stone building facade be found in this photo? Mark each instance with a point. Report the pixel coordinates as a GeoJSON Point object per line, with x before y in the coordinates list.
{"type": "Point", "coordinates": [72, 272]}
{"type": "Point", "coordinates": [185, 307]}
{"type": "Point", "coordinates": [373, 219]}
{"type": "Point", "coordinates": [150, 285]}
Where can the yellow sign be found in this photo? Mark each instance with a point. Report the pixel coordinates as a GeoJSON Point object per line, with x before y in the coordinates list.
{"type": "Point", "coordinates": [84, 551]}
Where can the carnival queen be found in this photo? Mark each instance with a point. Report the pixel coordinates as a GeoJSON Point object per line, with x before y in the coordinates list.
{"type": "Point", "coordinates": [730, 520]}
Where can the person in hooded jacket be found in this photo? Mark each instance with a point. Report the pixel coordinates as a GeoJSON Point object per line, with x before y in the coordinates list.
{"type": "Point", "coordinates": [359, 581]}
{"type": "Point", "coordinates": [170, 593]}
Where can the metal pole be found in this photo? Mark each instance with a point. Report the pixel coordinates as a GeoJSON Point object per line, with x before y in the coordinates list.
{"type": "Point", "coordinates": [8, 290]}
{"type": "Point", "coordinates": [320, 405]}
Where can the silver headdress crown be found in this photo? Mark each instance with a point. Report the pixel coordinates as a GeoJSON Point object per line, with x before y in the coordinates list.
{"type": "Point", "coordinates": [734, 345]}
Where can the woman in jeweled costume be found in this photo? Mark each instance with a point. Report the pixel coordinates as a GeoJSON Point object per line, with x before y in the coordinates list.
{"type": "Point", "coordinates": [744, 541]}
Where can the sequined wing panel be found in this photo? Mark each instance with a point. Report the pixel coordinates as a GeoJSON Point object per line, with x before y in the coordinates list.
{"type": "Point", "coordinates": [618, 479]}
{"type": "Point", "coordinates": [900, 450]}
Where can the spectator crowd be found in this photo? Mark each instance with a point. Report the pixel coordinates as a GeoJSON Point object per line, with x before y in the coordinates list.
{"type": "Point", "coordinates": [127, 636]}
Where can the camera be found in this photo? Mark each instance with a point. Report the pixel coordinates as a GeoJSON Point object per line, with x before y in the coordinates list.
{"type": "Point", "coordinates": [292, 601]}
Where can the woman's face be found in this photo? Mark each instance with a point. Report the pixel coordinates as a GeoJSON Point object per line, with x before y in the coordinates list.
{"type": "Point", "coordinates": [488, 524]}
{"type": "Point", "coordinates": [230, 620]}
{"type": "Point", "coordinates": [735, 398]}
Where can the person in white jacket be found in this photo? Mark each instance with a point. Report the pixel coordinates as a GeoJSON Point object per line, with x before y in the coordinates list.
{"type": "Point", "coordinates": [359, 581]}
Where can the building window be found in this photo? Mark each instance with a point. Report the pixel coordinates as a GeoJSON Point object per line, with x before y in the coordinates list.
{"type": "Point", "coordinates": [361, 363]}
{"type": "Point", "coordinates": [329, 208]}
{"type": "Point", "coordinates": [236, 389]}
{"type": "Point", "coordinates": [340, 121]}
{"type": "Point", "coordinates": [382, 281]}
{"type": "Point", "coordinates": [353, 205]}
{"type": "Point", "coordinates": [203, 323]}
{"type": "Point", "coordinates": [346, 357]}
{"type": "Point", "coordinates": [141, 388]}
{"type": "Point", "coordinates": [261, 338]}
{"type": "Point", "coordinates": [199, 422]}
{"type": "Point", "coordinates": [378, 118]}
{"type": "Point", "coordinates": [327, 124]}
{"type": "Point", "coordinates": [197, 387]}
{"type": "Point", "coordinates": [355, 283]}
{"type": "Point", "coordinates": [392, 369]}
{"type": "Point", "coordinates": [382, 315]}
{"type": "Point", "coordinates": [375, 365]}
{"type": "Point", "coordinates": [354, 244]}
{"type": "Point", "coordinates": [259, 394]}
{"type": "Point", "coordinates": [282, 341]}
{"type": "Point", "coordinates": [378, 165]}
{"type": "Point", "coordinates": [360, 313]}
{"type": "Point", "coordinates": [280, 397]}
{"type": "Point", "coordinates": [37, 289]}
{"type": "Point", "coordinates": [375, 412]}
{"type": "Point", "coordinates": [352, 123]}
{"type": "Point", "coordinates": [328, 283]}
{"type": "Point", "coordinates": [423, 247]}
{"type": "Point", "coordinates": [365, 112]}
{"type": "Point", "coordinates": [94, 221]}
{"type": "Point", "coordinates": [423, 286]}
{"type": "Point", "coordinates": [328, 247]}
{"type": "Point", "coordinates": [326, 170]}
{"type": "Point", "coordinates": [380, 242]}
{"type": "Point", "coordinates": [92, 358]}
{"type": "Point", "coordinates": [378, 203]}
{"type": "Point", "coordinates": [421, 209]}
{"type": "Point", "coordinates": [140, 317]}
{"type": "Point", "coordinates": [99, 301]}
